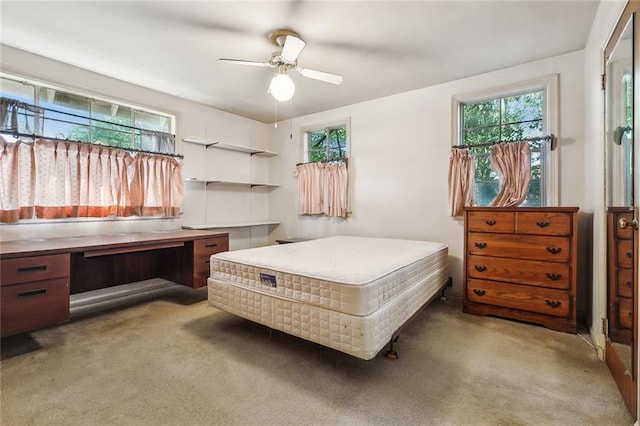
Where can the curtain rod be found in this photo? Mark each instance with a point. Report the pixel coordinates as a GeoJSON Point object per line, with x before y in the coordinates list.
{"type": "Point", "coordinates": [549, 138]}
{"type": "Point", "coordinates": [341, 160]}
{"type": "Point", "coordinates": [46, 138]}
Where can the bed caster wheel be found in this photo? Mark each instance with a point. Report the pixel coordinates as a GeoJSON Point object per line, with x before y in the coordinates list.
{"type": "Point", "coordinates": [390, 353]}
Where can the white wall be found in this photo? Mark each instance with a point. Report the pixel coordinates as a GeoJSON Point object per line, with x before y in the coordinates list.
{"type": "Point", "coordinates": [192, 119]}
{"type": "Point", "coordinates": [399, 158]}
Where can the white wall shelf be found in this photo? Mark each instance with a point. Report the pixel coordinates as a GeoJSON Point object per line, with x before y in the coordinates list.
{"type": "Point", "coordinates": [209, 143]}
{"type": "Point", "coordinates": [231, 225]}
{"type": "Point", "coordinates": [233, 182]}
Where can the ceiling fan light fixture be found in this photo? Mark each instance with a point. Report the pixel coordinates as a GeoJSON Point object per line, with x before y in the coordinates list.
{"type": "Point", "coordinates": [282, 87]}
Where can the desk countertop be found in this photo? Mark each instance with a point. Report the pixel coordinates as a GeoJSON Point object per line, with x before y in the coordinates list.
{"type": "Point", "coordinates": [31, 247]}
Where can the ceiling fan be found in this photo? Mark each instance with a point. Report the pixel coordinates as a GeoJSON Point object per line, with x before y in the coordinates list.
{"type": "Point", "coordinates": [282, 87]}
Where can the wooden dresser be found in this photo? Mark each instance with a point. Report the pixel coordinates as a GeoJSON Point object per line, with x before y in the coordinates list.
{"type": "Point", "coordinates": [621, 256]}
{"type": "Point", "coordinates": [521, 263]}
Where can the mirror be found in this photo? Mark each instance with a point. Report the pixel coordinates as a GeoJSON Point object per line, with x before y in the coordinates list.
{"type": "Point", "coordinates": [621, 200]}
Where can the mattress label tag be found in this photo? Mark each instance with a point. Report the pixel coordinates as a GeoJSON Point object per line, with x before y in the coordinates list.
{"type": "Point", "coordinates": [268, 279]}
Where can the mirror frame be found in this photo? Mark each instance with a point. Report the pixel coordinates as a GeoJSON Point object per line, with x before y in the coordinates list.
{"type": "Point", "coordinates": [628, 384]}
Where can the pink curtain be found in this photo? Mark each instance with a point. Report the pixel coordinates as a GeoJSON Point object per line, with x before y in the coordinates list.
{"type": "Point", "coordinates": [17, 182]}
{"type": "Point", "coordinates": [322, 188]}
{"type": "Point", "coordinates": [157, 186]}
{"type": "Point", "coordinates": [512, 162]}
{"type": "Point", "coordinates": [47, 179]}
{"type": "Point", "coordinates": [461, 175]}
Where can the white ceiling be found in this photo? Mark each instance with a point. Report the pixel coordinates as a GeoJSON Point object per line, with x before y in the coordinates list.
{"type": "Point", "coordinates": [380, 47]}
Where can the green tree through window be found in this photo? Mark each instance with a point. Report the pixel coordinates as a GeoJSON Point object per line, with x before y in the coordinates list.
{"type": "Point", "coordinates": [328, 144]}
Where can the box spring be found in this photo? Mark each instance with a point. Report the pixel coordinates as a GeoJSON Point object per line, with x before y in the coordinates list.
{"type": "Point", "coordinates": [347, 293]}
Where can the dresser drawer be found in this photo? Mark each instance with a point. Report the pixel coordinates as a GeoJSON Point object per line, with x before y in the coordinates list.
{"type": "Point", "coordinates": [547, 223]}
{"type": "Point", "coordinates": [553, 249]}
{"type": "Point", "coordinates": [520, 297]}
{"type": "Point", "coordinates": [624, 254]}
{"type": "Point", "coordinates": [627, 232]}
{"type": "Point", "coordinates": [531, 272]}
{"type": "Point", "coordinates": [25, 269]}
{"type": "Point", "coordinates": [624, 283]}
{"type": "Point", "coordinates": [486, 221]}
{"type": "Point", "coordinates": [33, 305]}
{"type": "Point", "coordinates": [625, 314]}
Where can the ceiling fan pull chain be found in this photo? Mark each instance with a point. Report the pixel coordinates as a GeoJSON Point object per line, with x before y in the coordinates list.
{"type": "Point", "coordinates": [275, 120]}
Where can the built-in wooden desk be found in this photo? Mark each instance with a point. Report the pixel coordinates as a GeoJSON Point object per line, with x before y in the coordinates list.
{"type": "Point", "coordinates": [38, 276]}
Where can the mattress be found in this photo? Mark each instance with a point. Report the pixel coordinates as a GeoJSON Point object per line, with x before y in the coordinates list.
{"type": "Point", "coordinates": [347, 293]}
{"type": "Point", "coordinates": [353, 275]}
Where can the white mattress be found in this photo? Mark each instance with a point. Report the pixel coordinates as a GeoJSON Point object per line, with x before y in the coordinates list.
{"type": "Point", "coordinates": [385, 282]}
{"type": "Point", "coordinates": [352, 275]}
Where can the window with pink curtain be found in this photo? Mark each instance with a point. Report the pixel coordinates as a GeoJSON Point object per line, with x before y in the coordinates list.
{"type": "Point", "coordinates": [46, 179]}
{"type": "Point", "coordinates": [322, 188]}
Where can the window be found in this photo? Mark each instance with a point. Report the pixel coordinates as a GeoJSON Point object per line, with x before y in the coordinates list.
{"type": "Point", "coordinates": [515, 113]}
{"type": "Point", "coordinates": [57, 113]}
{"type": "Point", "coordinates": [326, 143]}
{"type": "Point", "coordinates": [65, 151]}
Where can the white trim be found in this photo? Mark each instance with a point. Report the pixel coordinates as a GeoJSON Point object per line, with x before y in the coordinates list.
{"type": "Point", "coordinates": [549, 85]}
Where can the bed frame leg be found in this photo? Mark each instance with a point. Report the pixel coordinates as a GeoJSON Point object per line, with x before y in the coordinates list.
{"type": "Point", "coordinates": [391, 354]}
{"type": "Point", "coordinates": [449, 284]}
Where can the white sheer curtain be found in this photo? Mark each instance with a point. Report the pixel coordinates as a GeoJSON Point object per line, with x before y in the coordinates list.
{"type": "Point", "coordinates": [47, 179]}
{"type": "Point", "coordinates": [322, 188]}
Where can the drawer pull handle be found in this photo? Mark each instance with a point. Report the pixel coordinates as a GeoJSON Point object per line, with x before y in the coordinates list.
{"type": "Point", "coordinates": [480, 268]}
{"type": "Point", "coordinates": [32, 269]}
{"type": "Point", "coordinates": [480, 245]}
{"type": "Point", "coordinates": [554, 250]}
{"type": "Point", "coordinates": [207, 261]}
{"type": "Point", "coordinates": [490, 222]}
{"type": "Point", "coordinates": [211, 245]}
{"type": "Point", "coordinates": [479, 292]}
{"type": "Point", "coordinates": [542, 224]}
{"type": "Point", "coordinates": [31, 293]}
{"type": "Point", "coordinates": [629, 284]}
{"type": "Point", "coordinates": [553, 276]}
{"type": "Point", "coordinates": [553, 303]}
{"type": "Point", "coordinates": [629, 254]}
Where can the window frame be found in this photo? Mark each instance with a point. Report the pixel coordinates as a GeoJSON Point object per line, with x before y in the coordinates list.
{"type": "Point", "coordinates": [549, 86]}
{"type": "Point", "coordinates": [171, 117]}
{"type": "Point", "coordinates": [346, 122]}
{"type": "Point", "coordinates": [326, 126]}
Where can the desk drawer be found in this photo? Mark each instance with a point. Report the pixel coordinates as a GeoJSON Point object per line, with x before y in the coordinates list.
{"type": "Point", "coordinates": [36, 268]}
{"type": "Point", "coordinates": [33, 305]}
{"type": "Point", "coordinates": [204, 248]}
{"type": "Point", "coordinates": [202, 251]}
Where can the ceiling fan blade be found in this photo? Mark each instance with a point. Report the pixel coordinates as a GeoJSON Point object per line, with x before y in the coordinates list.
{"type": "Point", "coordinates": [292, 48]}
{"type": "Point", "coordinates": [243, 62]}
{"type": "Point", "coordinates": [320, 75]}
